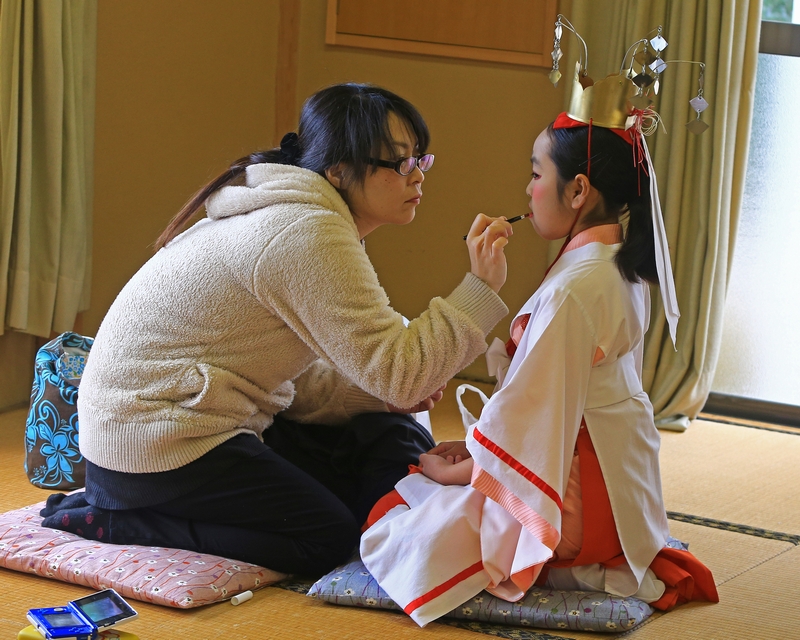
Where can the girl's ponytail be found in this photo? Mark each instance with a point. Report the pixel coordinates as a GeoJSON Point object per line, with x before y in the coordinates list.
{"type": "Point", "coordinates": [636, 257]}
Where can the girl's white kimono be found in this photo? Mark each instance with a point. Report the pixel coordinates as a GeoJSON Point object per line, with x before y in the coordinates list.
{"type": "Point", "coordinates": [451, 542]}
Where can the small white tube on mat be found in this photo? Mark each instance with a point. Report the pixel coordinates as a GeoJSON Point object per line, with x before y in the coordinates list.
{"type": "Point", "coordinates": [244, 596]}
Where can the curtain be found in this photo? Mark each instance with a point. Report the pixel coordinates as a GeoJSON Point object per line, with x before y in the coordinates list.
{"type": "Point", "coordinates": [47, 76]}
{"type": "Point", "coordinates": [701, 178]}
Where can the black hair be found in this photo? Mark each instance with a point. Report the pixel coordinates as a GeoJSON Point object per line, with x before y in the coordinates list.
{"type": "Point", "coordinates": [623, 185]}
{"type": "Point", "coordinates": [341, 124]}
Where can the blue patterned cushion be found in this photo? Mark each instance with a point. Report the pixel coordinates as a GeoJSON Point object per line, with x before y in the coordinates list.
{"type": "Point", "coordinates": [351, 584]}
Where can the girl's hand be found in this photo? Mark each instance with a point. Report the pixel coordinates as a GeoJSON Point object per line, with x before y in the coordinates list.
{"type": "Point", "coordinates": [452, 450]}
{"type": "Point", "coordinates": [424, 405]}
{"type": "Point", "coordinates": [446, 471]}
{"type": "Point", "coordinates": [486, 241]}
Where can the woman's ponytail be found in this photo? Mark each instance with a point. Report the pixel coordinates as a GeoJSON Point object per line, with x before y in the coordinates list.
{"type": "Point", "coordinates": [237, 168]}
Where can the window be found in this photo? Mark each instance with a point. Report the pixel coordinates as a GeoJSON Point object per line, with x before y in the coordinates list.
{"type": "Point", "coordinates": [758, 374]}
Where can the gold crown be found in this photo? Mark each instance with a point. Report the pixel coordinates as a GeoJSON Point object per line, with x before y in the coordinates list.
{"type": "Point", "coordinates": [611, 101]}
{"type": "Point", "coordinates": [607, 103]}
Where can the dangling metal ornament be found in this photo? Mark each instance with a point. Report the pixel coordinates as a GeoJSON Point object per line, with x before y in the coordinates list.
{"type": "Point", "coordinates": [658, 43]}
{"type": "Point", "coordinates": [643, 80]}
{"type": "Point", "coordinates": [696, 126]}
{"type": "Point", "coordinates": [555, 75]}
{"type": "Point", "coordinates": [658, 65]}
{"type": "Point", "coordinates": [644, 57]}
{"type": "Point", "coordinates": [699, 103]}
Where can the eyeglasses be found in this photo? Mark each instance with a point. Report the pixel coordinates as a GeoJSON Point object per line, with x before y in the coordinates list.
{"type": "Point", "coordinates": [404, 166]}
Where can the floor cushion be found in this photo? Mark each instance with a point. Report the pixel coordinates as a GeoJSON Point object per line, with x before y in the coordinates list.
{"type": "Point", "coordinates": [169, 577]}
{"type": "Point", "coordinates": [351, 584]}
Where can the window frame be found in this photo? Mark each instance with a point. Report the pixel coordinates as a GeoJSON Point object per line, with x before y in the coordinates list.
{"type": "Point", "coordinates": [780, 38]}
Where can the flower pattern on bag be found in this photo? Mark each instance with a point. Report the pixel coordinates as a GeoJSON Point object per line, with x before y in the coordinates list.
{"type": "Point", "coordinates": [53, 459]}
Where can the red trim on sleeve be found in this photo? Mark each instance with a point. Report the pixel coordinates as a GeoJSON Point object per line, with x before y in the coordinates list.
{"type": "Point", "coordinates": [445, 586]}
{"type": "Point", "coordinates": [515, 464]}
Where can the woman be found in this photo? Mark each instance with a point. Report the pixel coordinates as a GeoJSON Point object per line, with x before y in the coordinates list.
{"type": "Point", "coordinates": [267, 320]}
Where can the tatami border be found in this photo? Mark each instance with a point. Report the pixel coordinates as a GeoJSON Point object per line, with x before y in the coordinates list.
{"type": "Point", "coordinates": [735, 528]}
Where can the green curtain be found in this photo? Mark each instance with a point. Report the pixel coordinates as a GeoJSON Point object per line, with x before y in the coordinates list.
{"type": "Point", "coordinates": [701, 178]}
{"type": "Point", "coordinates": [47, 93]}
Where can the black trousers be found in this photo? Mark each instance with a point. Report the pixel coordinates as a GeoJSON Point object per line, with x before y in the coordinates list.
{"type": "Point", "coordinates": [297, 506]}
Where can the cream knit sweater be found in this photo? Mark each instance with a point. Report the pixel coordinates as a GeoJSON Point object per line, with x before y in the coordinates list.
{"type": "Point", "coordinates": [269, 304]}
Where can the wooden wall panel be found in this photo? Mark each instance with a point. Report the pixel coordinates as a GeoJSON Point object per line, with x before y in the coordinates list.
{"type": "Point", "coordinates": [510, 31]}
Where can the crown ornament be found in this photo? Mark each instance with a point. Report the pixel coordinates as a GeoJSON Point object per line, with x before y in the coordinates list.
{"type": "Point", "coordinates": [606, 103]}
{"type": "Point", "coordinates": [614, 101]}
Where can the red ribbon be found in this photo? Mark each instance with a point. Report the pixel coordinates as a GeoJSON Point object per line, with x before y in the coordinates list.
{"type": "Point", "coordinates": [631, 135]}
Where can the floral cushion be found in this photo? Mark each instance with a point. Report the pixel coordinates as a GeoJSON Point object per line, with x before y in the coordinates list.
{"type": "Point", "coordinates": [351, 584]}
{"type": "Point", "coordinates": [169, 577]}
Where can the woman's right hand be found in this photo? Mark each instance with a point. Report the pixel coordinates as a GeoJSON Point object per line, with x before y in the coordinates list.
{"type": "Point", "coordinates": [452, 450]}
{"type": "Point", "coordinates": [486, 242]}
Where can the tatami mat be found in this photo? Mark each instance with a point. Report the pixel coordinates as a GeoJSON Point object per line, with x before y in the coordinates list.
{"type": "Point", "coordinates": [734, 473]}
{"type": "Point", "coordinates": [714, 473]}
{"type": "Point", "coordinates": [272, 613]}
{"type": "Point", "coordinates": [760, 604]}
{"type": "Point", "coordinates": [728, 554]}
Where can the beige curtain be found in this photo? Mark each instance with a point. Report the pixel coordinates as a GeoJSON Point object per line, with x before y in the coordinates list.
{"type": "Point", "coordinates": [701, 178]}
{"type": "Point", "coordinates": [47, 75]}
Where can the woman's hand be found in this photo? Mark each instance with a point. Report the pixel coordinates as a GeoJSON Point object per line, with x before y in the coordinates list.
{"type": "Point", "coordinates": [424, 405]}
{"type": "Point", "coordinates": [451, 450]}
{"type": "Point", "coordinates": [446, 471]}
{"type": "Point", "coordinates": [486, 241]}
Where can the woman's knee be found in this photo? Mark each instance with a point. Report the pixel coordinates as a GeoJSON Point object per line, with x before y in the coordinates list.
{"type": "Point", "coordinates": [317, 557]}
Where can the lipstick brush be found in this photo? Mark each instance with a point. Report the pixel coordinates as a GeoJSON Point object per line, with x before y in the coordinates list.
{"type": "Point", "coordinates": [515, 219]}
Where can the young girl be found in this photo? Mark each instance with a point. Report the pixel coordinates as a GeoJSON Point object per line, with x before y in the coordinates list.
{"type": "Point", "coordinates": [246, 394]}
{"type": "Point", "coordinates": [562, 466]}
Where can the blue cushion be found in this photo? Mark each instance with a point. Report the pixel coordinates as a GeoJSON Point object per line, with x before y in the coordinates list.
{"type": "Point", "coordinates": [544, 608]}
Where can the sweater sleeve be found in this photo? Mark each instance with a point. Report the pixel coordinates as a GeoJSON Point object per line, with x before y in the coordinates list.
{"type": "Point", "coordinates": [325, 396]}
{"type": "Point", "coordinates": [317, 277]}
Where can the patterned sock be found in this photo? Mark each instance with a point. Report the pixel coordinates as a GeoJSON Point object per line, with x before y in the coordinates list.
{"type": "Point", "coordinates": [73, 514]}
